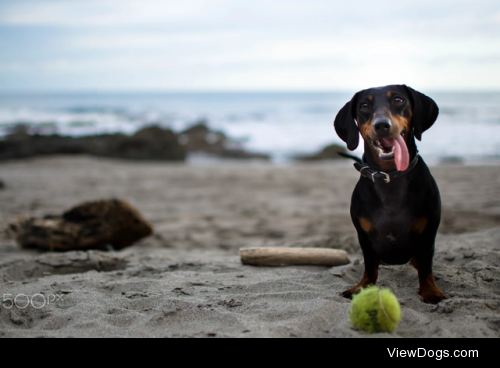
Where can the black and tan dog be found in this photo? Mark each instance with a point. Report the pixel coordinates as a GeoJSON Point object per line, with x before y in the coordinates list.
{"type": "Point", "coordinates": [396, 206]}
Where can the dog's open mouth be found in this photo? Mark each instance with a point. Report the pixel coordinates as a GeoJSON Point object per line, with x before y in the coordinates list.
{"type": "Point", "coordinates": [385, 149]}
{"type": "Point", "coordinates": [394, 150]}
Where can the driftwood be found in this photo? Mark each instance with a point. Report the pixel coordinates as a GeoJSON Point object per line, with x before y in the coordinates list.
{"type": "Point", "coordinates": [293, 256]}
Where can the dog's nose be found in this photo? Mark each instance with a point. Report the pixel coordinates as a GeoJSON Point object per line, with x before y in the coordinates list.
{"type": "Point", "coordinates": [382, 125]}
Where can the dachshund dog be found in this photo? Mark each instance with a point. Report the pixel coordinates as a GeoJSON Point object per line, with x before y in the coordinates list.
{"type": "Point", "coordinates": [396, 205]}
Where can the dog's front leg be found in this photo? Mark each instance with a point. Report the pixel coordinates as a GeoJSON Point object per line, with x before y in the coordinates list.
{"type": "Point", "coordinates": [429, 290]}
{"type": "Point", "coordinates": [372, 264]}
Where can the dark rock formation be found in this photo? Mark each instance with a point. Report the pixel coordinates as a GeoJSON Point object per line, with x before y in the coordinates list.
{"type": "Point", "coordinates": [92, 225]}
{"type": "Point", "coordinates": [238, 154]}
{"type": "Point", "coordinates": [200, 139]}
{"type": "Point", "coordinates": [151, 143]}
{"type": "Point", "coordinates": [330, 152]}
{"type": "Point", "coordinates": [21, 144]}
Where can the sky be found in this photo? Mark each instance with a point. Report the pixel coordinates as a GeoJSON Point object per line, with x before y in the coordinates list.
{"type": "Point", "coordinates": [261, 45]}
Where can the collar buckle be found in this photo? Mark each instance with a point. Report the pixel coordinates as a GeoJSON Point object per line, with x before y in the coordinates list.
{"type": "Point", "coordinates": [370, 174]}
{"type": "Point", "coordinates": [387, 178]}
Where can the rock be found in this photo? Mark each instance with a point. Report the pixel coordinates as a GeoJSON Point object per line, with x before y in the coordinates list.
{"type": "Point", "coordinates": [58, 145]}
{"type": "Point", "coordinates": [17, 144]}
{"type": "Point", "coordinates": [20, 144]}
{"type": "Point", "coordinates": [244, 155]}
{"type": "Point", "coordinates": [92, 225]}
{"type": "Point", "coordinates": [330, 152]}
{"type": "Point", "coordinates": [103, 145]}
{"type": "Point", "coordinates": [152, 143]}
{"type": "Point", "coordinates": [200, 139]}
{"type": "Point", "coordinates": [148, 144]}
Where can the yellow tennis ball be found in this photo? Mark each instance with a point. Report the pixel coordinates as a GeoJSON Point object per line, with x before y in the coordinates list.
{"type": "Point", "coordinates": [375, 310]}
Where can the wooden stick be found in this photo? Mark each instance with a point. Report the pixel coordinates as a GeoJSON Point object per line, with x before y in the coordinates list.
{"type": "Point", "coordinates": [293, 256]}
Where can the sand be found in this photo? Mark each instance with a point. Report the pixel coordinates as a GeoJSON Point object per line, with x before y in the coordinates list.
{"type": "Point", "coordinates": [187, 279]}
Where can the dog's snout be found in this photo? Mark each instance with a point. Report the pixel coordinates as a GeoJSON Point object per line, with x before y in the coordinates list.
{"type": "Point", "coordinates": [382, 125]}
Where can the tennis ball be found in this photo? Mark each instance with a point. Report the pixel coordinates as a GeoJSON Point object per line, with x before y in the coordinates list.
{"type": "Point", "coordinates": [375, 310]}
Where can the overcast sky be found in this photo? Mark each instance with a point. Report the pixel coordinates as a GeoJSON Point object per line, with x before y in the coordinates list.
{"type": "Point", "coordinates": [248, 45]}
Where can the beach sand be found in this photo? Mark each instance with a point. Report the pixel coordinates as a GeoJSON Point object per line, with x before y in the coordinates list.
{"type": "Point", "coordinates": [187, 279]}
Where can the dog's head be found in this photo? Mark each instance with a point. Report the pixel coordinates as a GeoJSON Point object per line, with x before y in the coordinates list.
{"type": "Point", "coordinates": [387, 117]}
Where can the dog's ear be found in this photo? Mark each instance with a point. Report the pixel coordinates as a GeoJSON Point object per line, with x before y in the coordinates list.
{"type": "Point", "coordinates": [345, 125]}
{"type": "Point", "coordinates": [425, 112]}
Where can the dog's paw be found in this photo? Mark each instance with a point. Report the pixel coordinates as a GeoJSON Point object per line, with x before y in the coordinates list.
{"type": "Point", "coordinates": [433, 298]}
{"type": "Point", "coordinates": [347, 294]}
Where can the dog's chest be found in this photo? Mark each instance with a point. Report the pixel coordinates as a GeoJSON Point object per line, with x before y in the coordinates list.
{"type": "Point", "coordinates": [392, 225]}
{"type": "Point", "coordinates": [391, 216]}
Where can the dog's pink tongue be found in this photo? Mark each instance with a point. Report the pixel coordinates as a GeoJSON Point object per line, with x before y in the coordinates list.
{"type": "Point", "coordinates": [401, 154]}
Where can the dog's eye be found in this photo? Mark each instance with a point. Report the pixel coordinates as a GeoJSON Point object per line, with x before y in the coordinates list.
{"type": "Point", "coordinates": [364, 106]}
{"type": "Point", "coordinates": [398, 100]}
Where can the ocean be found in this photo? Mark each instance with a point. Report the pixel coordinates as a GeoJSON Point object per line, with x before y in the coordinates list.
{"type": "Point", "coordinates": [280, 124]}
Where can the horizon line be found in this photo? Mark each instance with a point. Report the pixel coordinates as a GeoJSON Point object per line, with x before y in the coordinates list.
{"type": "Point", "coordinates": [222, 91]}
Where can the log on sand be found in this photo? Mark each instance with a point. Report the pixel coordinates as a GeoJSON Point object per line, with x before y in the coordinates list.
{"type": "Point", "coordinates": [293, 256]}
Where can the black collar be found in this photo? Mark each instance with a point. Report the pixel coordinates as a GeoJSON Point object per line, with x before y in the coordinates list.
{"type": "Point", "coordinates": [380, 176]}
